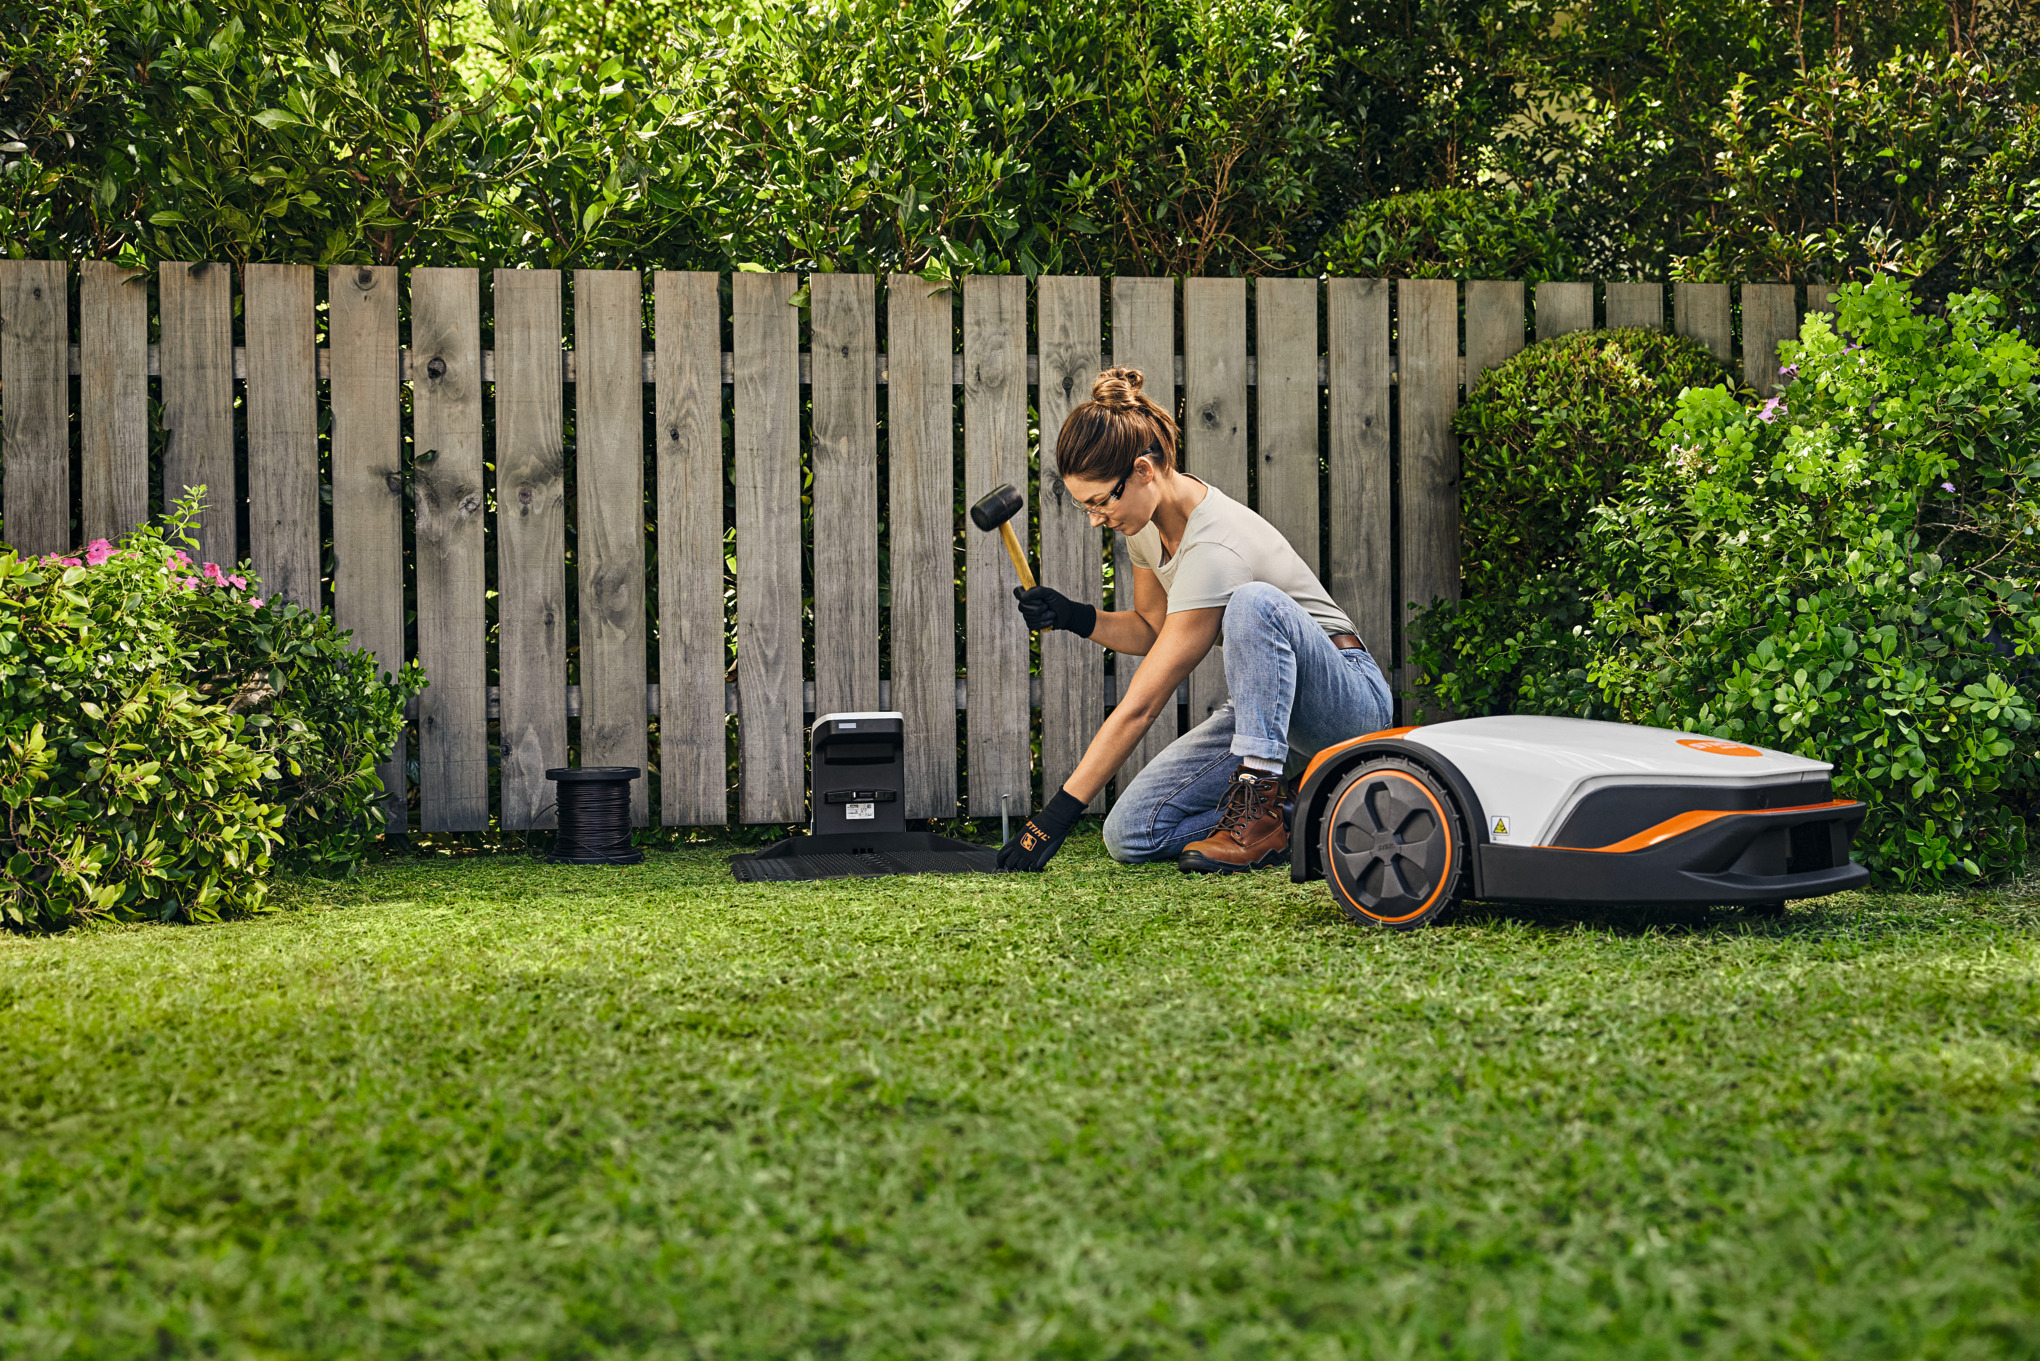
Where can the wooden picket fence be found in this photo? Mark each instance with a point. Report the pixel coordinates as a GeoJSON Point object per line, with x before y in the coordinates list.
{"type": "Point", "coordinates": [1297, 395]}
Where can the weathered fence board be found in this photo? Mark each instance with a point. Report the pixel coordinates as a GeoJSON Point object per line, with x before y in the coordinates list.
{"type": "Point", "coordinates": [770, 787]}
{"type": "Point", "coordinates": [1144, 338]}
{"type": "Point", "coordinates": [1494, 326]}
{"type": "Point", "coordinates": [113, 402]}
{"type": "Point", "coordinates": [995, 452]}
{"type": "Point", "coordinates": [446, 490]}
{"type": "Point", "coordinates": [197, 364]}
{"type": "Point", "coordinates": [920, 426]}
{"type": "Point", "coordinates": [35, 438]}
{"type": "Point", "coordinates": [1215, 425]}
{"type": "Point", "coordinates": [1701, 312]}
{"type": "Point", "coordinates": [1636, 304]}
{"type": "Point", "coordinates": [1427, 314]}
{"type": "Point", "coordinates": [693, 730]}
{"type": "Point", "coordinates": [1563, 308]}
{"type": "Point", "coordinates": [1770, 313]}
{"type": "Point", "coordinates": [1068, 323]}
{"type": "Point", "coordinates": [1286, 410]}
{"type": "Point", "coordinates": [1361, 546]}
{"type": "Point", "coordinates": [368, 480]}
{"type": "Point", "coordinates": [844, 456]}
{"type": "Point", "coordinates": [283, 430]}
{"type": "Point", "coordinates": [609, 540]}
{"type": "Point", "coordinates": [531, 527]}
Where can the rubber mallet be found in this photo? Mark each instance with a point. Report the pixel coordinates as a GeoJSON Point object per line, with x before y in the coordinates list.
{"type": "Point", "coordinates": [995, 510]}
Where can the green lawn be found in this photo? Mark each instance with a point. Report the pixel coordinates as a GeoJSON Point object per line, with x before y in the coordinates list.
{"type": "Point", "coordinates": [485, 1107]}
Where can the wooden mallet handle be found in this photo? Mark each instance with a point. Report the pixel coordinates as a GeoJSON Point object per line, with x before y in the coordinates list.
{"type": "Point", "coordinates": [1013, 552]}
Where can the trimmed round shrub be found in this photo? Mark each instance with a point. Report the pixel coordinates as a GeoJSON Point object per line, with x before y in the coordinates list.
{"type": "Point", "coordinates": [1451, 234]}
{"type": "Point", "coordinates": [1543, 440]}
{"type": "Point", "coordinates": [1553, 432]}
{"type": "Point", "coordinates": [166, 735]}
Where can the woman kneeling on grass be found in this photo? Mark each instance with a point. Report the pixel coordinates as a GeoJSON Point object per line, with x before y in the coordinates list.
{"type": "Point", "coordinates": [1205, 570]}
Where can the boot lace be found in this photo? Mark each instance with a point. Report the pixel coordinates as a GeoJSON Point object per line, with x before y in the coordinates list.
{"type": "Point", "coordinates": [1247, 799]}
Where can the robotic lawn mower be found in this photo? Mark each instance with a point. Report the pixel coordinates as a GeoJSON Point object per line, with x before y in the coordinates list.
{"type": "Point", "coordinates": [1407, 822]}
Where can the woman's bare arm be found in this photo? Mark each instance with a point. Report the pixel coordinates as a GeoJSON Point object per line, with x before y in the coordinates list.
{"type": "Point", "coordinates": [1134, 631]}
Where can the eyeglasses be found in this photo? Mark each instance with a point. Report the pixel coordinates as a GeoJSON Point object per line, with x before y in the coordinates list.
{"type": "Point", "coordinates": [1097, 505]}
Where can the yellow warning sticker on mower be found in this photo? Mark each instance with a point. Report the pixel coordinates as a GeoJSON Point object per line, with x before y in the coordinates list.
{"type": "Point", "coordinates": [1498, 826]}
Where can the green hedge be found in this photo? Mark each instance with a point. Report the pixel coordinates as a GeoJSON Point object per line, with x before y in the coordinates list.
{"type": "Point", "coordinates": [1452, 234]}
{"type": "Point", "coordinates": [1710, 139]}
{"type": "Point", "coordinates": [1171, 137]}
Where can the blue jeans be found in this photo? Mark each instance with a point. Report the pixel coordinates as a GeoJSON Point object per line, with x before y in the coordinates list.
{"type": "Point", "coordinates": [1293, 693]}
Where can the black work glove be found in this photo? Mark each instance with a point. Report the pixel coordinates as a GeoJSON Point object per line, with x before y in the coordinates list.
{"type": "Point", "coordinates": [1043, 835]}
{"type": "Point", "coordinates": [1045, 607]}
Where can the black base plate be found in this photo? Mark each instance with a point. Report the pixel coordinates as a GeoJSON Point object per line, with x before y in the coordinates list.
{"type": "Point", "coordinates": [862, 855]}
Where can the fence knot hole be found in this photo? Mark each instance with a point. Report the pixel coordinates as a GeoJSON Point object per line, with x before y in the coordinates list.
{"type": "Point", "coordinates": [436, 367]}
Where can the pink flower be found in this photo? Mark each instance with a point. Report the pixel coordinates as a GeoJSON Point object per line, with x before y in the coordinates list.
{"type": "Point", "coordinates": [177, 558]}
{"type": "Point", "coordinates": [258, 602]}
{"type": "Point", "coordinates": [238, 583]}
{"type": "Point", "coordinates": [1770, 410]}
{"type": "Point", "coordinates": [191, 583]}
{"type": "Point", "coordinates": [214, 574]}
{"type": "Point", "coordinates": [98, 551]}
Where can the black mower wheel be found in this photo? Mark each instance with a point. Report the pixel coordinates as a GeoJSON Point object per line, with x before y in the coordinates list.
{"type": "Point", "coordinates": [1393, 846]}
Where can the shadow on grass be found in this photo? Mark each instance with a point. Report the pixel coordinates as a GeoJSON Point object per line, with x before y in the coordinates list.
{"type": "Point", "coordinates": [1854, 914]}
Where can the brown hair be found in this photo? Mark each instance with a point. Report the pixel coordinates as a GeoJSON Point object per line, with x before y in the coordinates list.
{"type": "Point", "coordinates": [1103, 436]}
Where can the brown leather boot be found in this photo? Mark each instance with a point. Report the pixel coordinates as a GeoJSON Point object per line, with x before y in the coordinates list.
{"type": "Point", "coordinates": [1253, 828]}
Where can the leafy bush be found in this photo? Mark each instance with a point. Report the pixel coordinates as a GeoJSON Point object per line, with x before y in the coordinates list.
{"type": "Point", "coordinates": [1847, 571]}
{"type": "Point", "coordinates": [1543, 439]}
{"type": "Point", "coordinates": [165, 735]}
{"type": "Point", "coordinates": [1451, 234]}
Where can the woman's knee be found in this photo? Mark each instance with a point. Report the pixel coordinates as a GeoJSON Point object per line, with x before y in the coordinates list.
{"type": "Point", "coordinates": [1123, 841]}
{"type": "Point", "coordinates": [1131, 837]}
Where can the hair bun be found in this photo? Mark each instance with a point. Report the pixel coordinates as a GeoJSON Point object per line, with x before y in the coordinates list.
{"type": "Point", "coordinates": [1118, 389]}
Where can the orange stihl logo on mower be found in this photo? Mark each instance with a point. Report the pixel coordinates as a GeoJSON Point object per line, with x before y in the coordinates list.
{"type": "Point", "coordinates": [1714, 746]}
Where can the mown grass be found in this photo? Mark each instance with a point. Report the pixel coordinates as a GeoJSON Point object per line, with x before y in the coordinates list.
{"type": "Point", "coordinates": [485, 1107]}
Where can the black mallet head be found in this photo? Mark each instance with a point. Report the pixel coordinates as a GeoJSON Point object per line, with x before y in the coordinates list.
{"type": "Point", "coordinates": [995, 507]}
{"type": "Point", "coordinates": [995, 510]}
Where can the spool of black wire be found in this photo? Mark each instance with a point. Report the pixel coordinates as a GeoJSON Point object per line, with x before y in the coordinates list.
{"type": "Point", "coordinates": [594, 804]}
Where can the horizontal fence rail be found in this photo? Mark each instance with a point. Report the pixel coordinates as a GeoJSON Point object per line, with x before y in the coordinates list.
{"type": "Point", "coordinates": [569, 495]}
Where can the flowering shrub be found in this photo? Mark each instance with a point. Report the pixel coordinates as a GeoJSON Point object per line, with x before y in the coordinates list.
{"type": "Point", "coordinates": [166, 735]}
{"type": "Point", "coordinates": [1848, 572]}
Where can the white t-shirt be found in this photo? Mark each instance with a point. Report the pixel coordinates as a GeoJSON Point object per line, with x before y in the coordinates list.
{"type": "Point", "coordinates": [1225, 546]}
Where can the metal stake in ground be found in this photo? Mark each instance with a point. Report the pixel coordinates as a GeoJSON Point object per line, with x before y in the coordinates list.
{"type": "Point", "coordinates": [995, 510]}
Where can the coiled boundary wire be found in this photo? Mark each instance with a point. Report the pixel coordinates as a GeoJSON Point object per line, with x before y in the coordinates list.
{"type": "Point", "coordinates": [594, 821]}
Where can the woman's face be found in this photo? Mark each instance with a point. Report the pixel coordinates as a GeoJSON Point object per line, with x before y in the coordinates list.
{"type": "Point", "coordinates": [1130, 510]}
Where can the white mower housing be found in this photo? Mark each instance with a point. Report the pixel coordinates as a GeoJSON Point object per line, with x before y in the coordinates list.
{"type": "Point", "coordinates": [1539, 810]}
